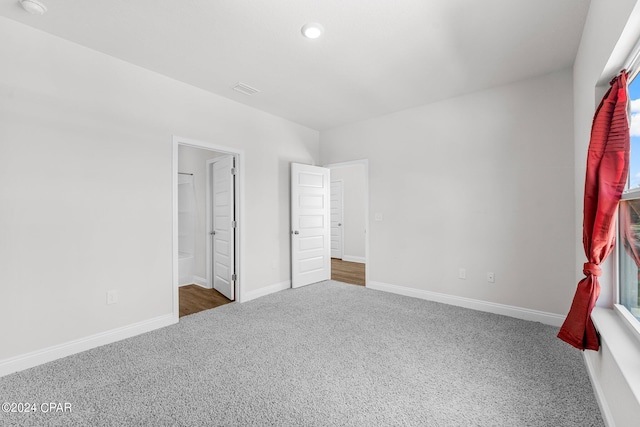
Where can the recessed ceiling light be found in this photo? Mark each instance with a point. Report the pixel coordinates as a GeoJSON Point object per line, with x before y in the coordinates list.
{"type": "Point", "coordinates": [312, 30]}
{"type": "Point", "coordinates": [33, 6]}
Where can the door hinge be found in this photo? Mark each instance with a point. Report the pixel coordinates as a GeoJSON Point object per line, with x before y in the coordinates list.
{"type": "Point", "coordinates": [234, 277]}
{"type": "Point", "coordinates": [233, 171]}
{"type": "Point", "coordinates": [234, 224]}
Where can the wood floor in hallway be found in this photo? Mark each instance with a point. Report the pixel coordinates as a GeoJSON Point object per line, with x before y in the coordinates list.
{"type": "Point", "coordinates": [194, 298]}
{"type": "Point", "coordinates": [348, 272]}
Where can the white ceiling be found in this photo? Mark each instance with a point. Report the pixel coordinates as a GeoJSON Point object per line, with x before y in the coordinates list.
{"type": "Point", "coordinates": [376, 57]}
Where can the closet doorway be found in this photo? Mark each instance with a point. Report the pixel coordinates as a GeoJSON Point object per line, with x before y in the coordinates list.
{"type": "Point", "coordinates": [206, 213]}
{"type": "Point", "coordinates": [349, 221]}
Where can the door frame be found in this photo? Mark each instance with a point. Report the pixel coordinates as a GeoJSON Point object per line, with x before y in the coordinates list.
{"type": "Point", "coordinates": [365, 163]}
{"type": "Point", "coordinates": [341, 181]}
{"type": "Point", "coordinates": [239, 207]}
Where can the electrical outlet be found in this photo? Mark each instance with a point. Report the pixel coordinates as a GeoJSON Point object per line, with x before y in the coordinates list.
{"type": "Point", "coordinates": [112, 297]}
{"type": "Point", "coordinates": [491, 277]}
{"type": "Point", "coordinates": [462, 273]}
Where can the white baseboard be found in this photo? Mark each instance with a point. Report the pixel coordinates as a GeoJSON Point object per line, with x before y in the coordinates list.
{"type": "Point", "coordinates": [38, 357]}
{"type": "Point", "coordinates": [358, 259]}
{"type": "Point", "coordinates": [200, 281]}
{"type": "Point", "coordinates": [271, 289]}
{"type": "Point", "coordinates": [196, 280]}
{"type": "Point", "coordinates": [605, 411]}
{"type": "Point", "coordinates": [490, 307]}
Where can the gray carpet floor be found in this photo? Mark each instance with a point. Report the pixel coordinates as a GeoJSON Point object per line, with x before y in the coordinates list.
{"type": "Point", "coordinates": [328, 354]}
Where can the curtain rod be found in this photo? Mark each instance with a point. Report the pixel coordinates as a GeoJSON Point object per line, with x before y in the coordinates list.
{"type": "Point", "coordinates": [184, 173]}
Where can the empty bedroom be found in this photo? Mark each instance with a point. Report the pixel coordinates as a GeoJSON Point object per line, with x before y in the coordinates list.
{"type": "Point", "coordinates": [411, 212]}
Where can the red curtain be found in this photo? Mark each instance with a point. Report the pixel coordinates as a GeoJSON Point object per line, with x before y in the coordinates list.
{"type": "Point", "coordinates": [607, 171]}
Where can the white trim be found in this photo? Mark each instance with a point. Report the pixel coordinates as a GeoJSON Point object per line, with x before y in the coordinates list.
{"type": "Point", "coordinates": [625, 55]}
{"type": "Point", "coordinates": [629, 319]}
{"type": "Point", "coordinates": [358, 259]}
{"type": "Point", "coordinates": [208, 215]}
{"type": "Point", "coordinates": [605, 411]}
{"type": "Point", "coordinates": [365, 163]}
{"type": "Point", "coordinates": [175, 263]}
{"type": "Point", "coordinates": [615, 257]}
{"type": "Point", "coordinates": [622, 55]}
{"type": "Point", "coordinates": [271, 289]}
{"type": "Point", "coordinates": [341, 181]}
{"type": "Point", "coordinates": [196, 280]}
{"type": "Point", "coordinates": [239, 208]}
{"type": "Point", "coordinates": [622, 345]}
{"type": "Point", "coordinates": [200, 281]}
{"type": "Point", "coordinates": [189, 281]}
{"type": "Point", "coordinates": [490, 307]}
{"type": "Point", "coordinates": [38, 357]}
{"type": "Point", "coordinates": [632, 64]}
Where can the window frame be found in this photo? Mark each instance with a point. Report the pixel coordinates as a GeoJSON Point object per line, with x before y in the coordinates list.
{"type": "Point", "coordinates": [633, 69]}
{"type": "Point", "coordinates": [629, 319]}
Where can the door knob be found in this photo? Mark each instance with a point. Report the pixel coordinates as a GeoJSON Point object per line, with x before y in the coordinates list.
{"type": "Point", "coordinates": [295, 232]}
{"type": "Point", "coordinates": [212, 233]}
{"type": "Point", "coordinates": [339, 224]}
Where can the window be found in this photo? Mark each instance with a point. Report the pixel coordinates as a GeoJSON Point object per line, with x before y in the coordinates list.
{"type": "Point", "coordinates": [629, 214]}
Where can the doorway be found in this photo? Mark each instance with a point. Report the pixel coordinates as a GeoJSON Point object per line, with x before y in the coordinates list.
{"type": "Point", "coordinates": [329, 238]}
{"type": "Point", "coordinates": [207, 240]}
{"type": "Point", "coordinates": [349, 221]}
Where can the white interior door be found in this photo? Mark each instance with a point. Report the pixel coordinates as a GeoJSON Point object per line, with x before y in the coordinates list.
{"type": "Point", "coordinates": [337, 219]}
{"type": "Point", "coordinates": [222, 229]}
{"type": "Point", "coordinates": [310, 232]}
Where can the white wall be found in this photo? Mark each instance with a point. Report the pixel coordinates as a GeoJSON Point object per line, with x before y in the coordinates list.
{"type": "Point", "coordinates": [353, 178]}
{"type": "Point", "coordinates": [86, 194]}
{"type": "Point", "coordinates": [194, 160]}
{"type": "Point", "coordinates": [610, 26]}
{"type": "Point", "coordinates": [483, 182]}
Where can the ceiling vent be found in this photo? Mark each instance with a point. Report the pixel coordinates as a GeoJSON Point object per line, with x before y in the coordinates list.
{"type": "Point", "coordinates": [246, 89]}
